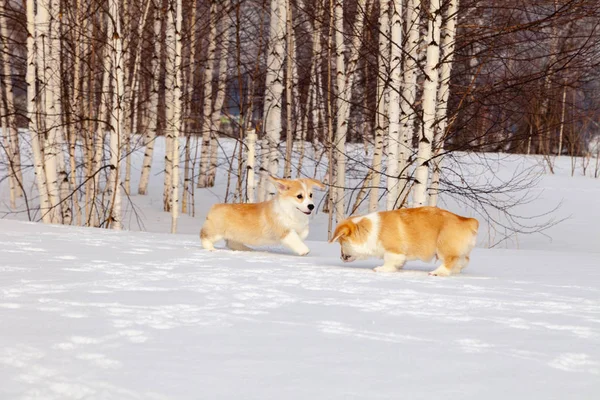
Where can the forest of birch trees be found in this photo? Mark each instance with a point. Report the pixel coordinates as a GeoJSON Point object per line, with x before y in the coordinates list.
{"type": "Point", "coordinates": [285, 83]}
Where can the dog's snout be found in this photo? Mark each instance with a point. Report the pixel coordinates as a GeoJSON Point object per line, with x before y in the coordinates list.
{"type": "Point", "coordinates": [311, 207]}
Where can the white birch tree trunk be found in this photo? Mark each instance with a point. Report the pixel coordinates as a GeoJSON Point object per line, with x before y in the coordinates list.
{"type": "Point", "coordinates": [261, 190]}
{"type": "Point", "coordinates": [315, 89]}
{"type": "Point", "coordinates": [168, 178]}
{"type": "Point", "coordinates": [76, 108]}
{"type": "Point", "coordinates": [38, 158]}
{"type": "Point", "coordinates": [220, 97]}
{"type": "Point", "coordinates": [150, 136]}
{"type": "Point", "coordinates": [6, 147]}
{"type": "Point", "coordinates": [341, 124]}
{"type": "Point", "coordinates": [290, 59]}
{"type": "Point", "coordinates": [409, 93]}
{"type": "Point", "coordinates": [273, 94]}
{"type": "Point", "coordinates": [393, 181]}
{"type": "Point", "coordinates": [51, 146]}
{"type": "Point", "coordinates": [132, 98]}
{"type": "Point", "coordinates": [250, 164]}
{"type": "Point", "coordinates": [188, 108]}
{"type": "Point", "coordinates": [84, 107]}
{"type": "Point", "coordinates": [344, 83]}
{"type": "Point", "coordinates": [114, 180]}
{"type": "Point", "coordinates": [562, 121]}
{"type": "Point", "coordinates": [54, 110]}
{"type": "Point", "coordinates": [173, 99]}
{"type": "Point", "coordinates": [381, 120]}
{"type": "Point", "coordinates": [104, 116]}
{"type": "Point", "coordinates": [207, 106]}
{"type": "Point", "coordinates": [447, 45]}
{"type": "Point", "coordinates": [429, 104]}
{"type": "Point", "coordinates": [169, 131]}
{"type": "Point", "coordinates": [12, 132]}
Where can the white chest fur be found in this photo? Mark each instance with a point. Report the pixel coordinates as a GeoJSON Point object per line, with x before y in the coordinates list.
{"type": "Point", "coordinates": [289, 217]}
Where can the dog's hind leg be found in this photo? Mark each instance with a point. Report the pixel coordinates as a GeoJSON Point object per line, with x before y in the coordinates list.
{"type": "Point", "coordinates": [447, 267]}
{"type": "Point", "coordinates": [207, 240]}
{"type": "Point", "coordinates": [209, 244]}
{"type": "Point", "coordinates": [236, 246]}
{"type": "Point", "coordinates": [462, 263]}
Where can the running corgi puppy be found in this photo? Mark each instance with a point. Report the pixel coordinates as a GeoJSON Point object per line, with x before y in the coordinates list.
{"type": "Point", "coordinates": [409, 234]}
{"type": "Point", "coordinates": [281, 220]}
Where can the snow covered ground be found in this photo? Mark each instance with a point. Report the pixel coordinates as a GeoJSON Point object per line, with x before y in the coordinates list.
{"type": "Point", "coordinates": [95, 314]}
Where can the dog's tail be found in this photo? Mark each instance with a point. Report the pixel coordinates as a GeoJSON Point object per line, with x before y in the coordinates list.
{"type": "Point", "coordinates": [473, 226]}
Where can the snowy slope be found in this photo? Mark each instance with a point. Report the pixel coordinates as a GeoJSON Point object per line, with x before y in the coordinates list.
{"type": "Point", "coordinates": [95, 314]}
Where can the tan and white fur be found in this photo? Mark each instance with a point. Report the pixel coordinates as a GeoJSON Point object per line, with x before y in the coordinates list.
{"type": "Point", "coordinates": [408, 234]}
{"type": "Point", "coordinates": [282, 220]}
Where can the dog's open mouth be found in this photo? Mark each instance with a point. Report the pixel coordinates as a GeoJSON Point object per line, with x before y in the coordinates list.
{"type": "Point", "coordinates": [305, 212]}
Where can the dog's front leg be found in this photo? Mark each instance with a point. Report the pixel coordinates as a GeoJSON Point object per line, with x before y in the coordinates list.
{"type": "Point", "coordinates": [293, 242]}
{"type": "Point", "coordinates": [303, 233]}
{"type": "Point", "coordinates": [392, 262]}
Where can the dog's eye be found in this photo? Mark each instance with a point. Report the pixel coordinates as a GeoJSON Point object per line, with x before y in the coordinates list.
{"type": "Point", "coordinates": [299, 196]}
{"type": "Point", "coordinates": [311, 195]}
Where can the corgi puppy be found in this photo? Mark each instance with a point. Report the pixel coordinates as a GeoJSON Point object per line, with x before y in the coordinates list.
{"type": "Point", "coordinates": [409, 234]}
{"type": "Point", "coordinates": [281, 220]}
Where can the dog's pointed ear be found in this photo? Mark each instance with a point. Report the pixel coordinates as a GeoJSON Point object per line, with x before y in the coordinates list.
{"type": "Point", "coordinates": [341, 231]}
{"type": "Point", "coordinates": [314, 182]}
{"type": "Point", "coordinates": [281, 184]}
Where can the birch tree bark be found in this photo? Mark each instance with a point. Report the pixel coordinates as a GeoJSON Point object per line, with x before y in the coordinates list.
{"type": "Point", "coordinates": [75, 109]}
{"type": "Point", "coordinates": [273, 94]}
{"type": "Point", "coordinates": [84, 107]}
{"type": "Point", "coordinates": [54, 110]}
{"type": "Point", "coordinates": [132, 93]}
{"type": "Point", "coordinates": [220, 97]}
{"type": "Point", "coordinates": [208, 95]}
{"type": "Point", "coordinates": [381, 119]}
{"type": "Point", "coordinates": [344, 82]}
{"type": "Point", "coordinates": [150, 136]}
{"type": "Point", "coordinates": [341, 125]}
{"type": "Point", "coordinates": [409, 93]}
{"type": "Point", "coordinates": [5, 146]}
{"type": "Point", "coordinates": [104, 117]}
{"type": "Point", "coordinates": [12, 132]}
{"type": "Point", "coordinates": [290, 59]}
{"type": "Point", "coordinates": [169, 131]}
{"type": "Point", "coordinates": [393, 181]}
{"type": "Point", "coordinates": [429, 104]}
{"type": "Point", "coordinates": [51, 145]}
{"type": "Point", "coordinates": [447, 45]}
{"type": "Point", "coordinates": [114, 179]}
{"type": "Point", "coordinates": [188, 108]}
{"type": "Point", "coordinates": [562, 121]}
{"type": "Point", "coordinates": [250, 163]}
{"type": "Point", "coordinates": [173, 99]}
{"type": "Point", "coordinates": [38, 159]}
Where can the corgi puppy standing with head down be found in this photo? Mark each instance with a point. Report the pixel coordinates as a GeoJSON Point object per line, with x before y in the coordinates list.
{"type": "Point", "coordinates": [282, 220]}
{"type": "Point", "coordinates": [409, 234]}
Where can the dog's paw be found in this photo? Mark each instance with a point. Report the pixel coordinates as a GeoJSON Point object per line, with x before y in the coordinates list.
{"type": "Point", "coordinates": [385, 268]}
{"type": "Point", "coordinates": [207, 245]}
{"type": "Point", "coordinates": [304, 252]}
{"type": "Point", "coordinates": [440, 272]}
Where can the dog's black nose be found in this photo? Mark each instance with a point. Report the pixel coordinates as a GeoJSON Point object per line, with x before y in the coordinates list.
{"type": "Point", "coordinates": [311, 207]}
